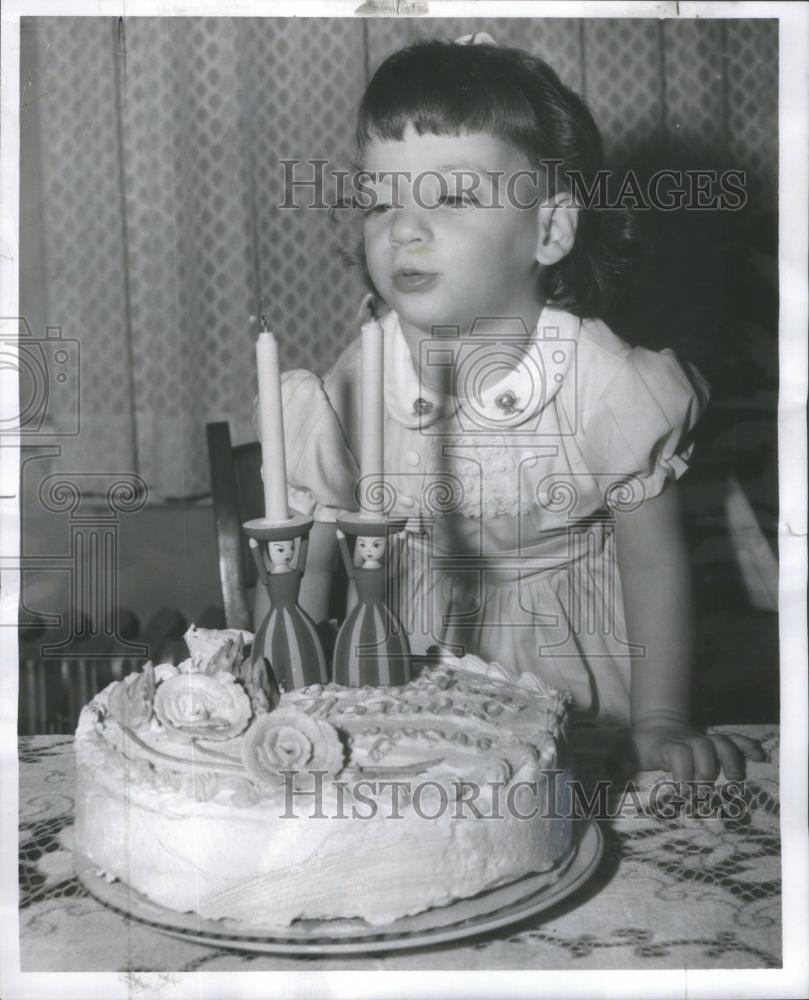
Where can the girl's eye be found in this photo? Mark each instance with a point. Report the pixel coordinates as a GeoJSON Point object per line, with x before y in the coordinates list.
{"type": "Point", "coordinates": [465, 200]}
{"type": "Point", "coordinates": [379, 209]}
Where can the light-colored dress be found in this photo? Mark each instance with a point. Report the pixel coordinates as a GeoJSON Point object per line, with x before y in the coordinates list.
{"type": "Point", "coordinates": [508, 489]}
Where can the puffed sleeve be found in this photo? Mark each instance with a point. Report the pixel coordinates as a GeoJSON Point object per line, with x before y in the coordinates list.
{"type": "Point", "coordinates": [321, 470]}
{"type": "Point", "coordinates": [639, 434]}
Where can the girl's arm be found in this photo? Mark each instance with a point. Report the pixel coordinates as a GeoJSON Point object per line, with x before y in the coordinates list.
{"type": "Point", "coordinates": [656, 581]}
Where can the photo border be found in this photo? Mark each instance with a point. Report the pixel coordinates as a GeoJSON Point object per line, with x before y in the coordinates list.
{"type": "Point", "coordinates": [793, 323]}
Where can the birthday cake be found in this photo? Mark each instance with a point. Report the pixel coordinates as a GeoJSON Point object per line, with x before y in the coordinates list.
{"type": "Point", "coordinates": [204, 789]}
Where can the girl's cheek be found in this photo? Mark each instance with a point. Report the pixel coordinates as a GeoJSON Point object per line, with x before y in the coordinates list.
{"type": "Point", "coordinates": [374, 251]}
{"type": "Point", "coordinates": [370, 237]}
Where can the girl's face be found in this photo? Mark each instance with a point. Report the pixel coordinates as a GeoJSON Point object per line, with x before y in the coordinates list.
{"type": "Point", "coordinates": [440, 258]}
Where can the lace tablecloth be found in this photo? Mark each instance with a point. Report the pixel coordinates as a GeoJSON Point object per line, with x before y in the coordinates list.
{"type": "Point", "coordinates": [670, 893]}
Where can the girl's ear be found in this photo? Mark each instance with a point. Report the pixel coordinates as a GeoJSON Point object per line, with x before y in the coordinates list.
{"type": "Point", "coordinates": [557, 220]}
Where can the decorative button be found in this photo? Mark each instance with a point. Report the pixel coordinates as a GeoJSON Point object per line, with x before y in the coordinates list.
{"type": "Point", "coordinates": [412, 458]}
{"type": "Point", "coordinates": [507, 402]}
{"type": "Point", "coordinates": [421, 407]}
{"type": "Point", "coordinates": [407, 501]}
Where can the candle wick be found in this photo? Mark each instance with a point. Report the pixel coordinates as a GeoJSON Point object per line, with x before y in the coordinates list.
{"type": "Point", "coordinates": [372, 308]}
{"type": "Point", "coordinates": [265, 326]}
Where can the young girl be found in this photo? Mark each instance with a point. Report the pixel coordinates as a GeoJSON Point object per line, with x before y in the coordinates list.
{"type": "Point", "coordinates": [533, 452]}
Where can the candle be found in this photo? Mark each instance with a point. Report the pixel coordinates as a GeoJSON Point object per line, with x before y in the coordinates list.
{"type": "Point", "coordinates": [372, 415]}
{"type": "Point", "coordinates": [271, 428]}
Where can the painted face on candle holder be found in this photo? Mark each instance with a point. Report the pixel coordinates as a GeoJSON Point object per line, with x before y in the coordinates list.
{"type": "Point", "coordinates": [280, 554]}
{"type": "Point", "coordinates": [434, 253]}
{"type": "Point", "coordinates": [369, 552]}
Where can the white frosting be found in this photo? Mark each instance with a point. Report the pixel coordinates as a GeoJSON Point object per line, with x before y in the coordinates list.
{"type": "Point", "coordinates": [194, 828]}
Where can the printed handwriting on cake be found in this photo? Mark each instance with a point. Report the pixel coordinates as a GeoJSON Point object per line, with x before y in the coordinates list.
{"type": "Point", "coordinates": [380, 747]}
{"type": "Point", "coordinates": [321, 708]}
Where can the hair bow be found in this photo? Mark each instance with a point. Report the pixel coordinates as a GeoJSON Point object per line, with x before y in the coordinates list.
{"type": "Point", "coordinates": [476, 38]}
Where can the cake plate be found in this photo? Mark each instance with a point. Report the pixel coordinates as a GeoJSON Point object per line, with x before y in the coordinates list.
{"type": "Point", "coordinates": [485, 912]}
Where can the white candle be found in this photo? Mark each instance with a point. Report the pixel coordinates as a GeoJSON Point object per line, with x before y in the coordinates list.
{"type": "Point", "coordinates": [372, 413]}
{"type": "Point", "coordinates": [271, 428]}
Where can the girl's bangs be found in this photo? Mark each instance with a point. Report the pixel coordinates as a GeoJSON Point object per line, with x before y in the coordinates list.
{"type": "Point", "coordinates": [444, 97]}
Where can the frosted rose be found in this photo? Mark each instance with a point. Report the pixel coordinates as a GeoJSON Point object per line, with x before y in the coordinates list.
{"type": "Point", "coordinates": [259, 682]}
{"type": "Point", "coordinates": [130, 701]}
{"type": "Point", "coordinates": [196, 706]}
{"type": "Point", "coordinates": [213, 650]}
{"type": "Point", "coordinates": [290, 740]}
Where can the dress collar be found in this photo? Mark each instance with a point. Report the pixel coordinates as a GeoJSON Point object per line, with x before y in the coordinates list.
{"type": "Point", "coordinates": [529, 382]}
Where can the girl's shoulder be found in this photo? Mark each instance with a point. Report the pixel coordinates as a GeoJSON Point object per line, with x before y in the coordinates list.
{"type": "Point", "coordinates": [347, 367]}
{"type": "Point", "coordinates": [341, 386]}
{"type": "Point", "coordinates": [349, 358]}
{"type": "Point", "coordinates": [611, 371]}
{"type": "Point", "coordinates": [638, 408]}
{"type": "Point", "coordinates": [601, 355]}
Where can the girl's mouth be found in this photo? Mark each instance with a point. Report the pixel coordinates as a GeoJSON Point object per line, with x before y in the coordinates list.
{"type": "Point", "coordinates": [407, 280]}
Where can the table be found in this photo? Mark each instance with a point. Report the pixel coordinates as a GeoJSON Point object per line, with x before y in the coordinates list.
{"type": "Point", "coordinates": [671, 892]}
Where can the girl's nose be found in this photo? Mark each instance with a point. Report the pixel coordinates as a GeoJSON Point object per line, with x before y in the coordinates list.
{"type": "Point", "coordinates": [410, 225]}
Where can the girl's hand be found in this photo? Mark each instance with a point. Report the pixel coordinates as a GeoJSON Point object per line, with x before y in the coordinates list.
{"type": "Point", "coordinates": [689, 754]}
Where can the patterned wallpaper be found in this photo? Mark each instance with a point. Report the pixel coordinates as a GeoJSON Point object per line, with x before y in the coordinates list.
{"type": "Point", "coordinates": [150, 224]}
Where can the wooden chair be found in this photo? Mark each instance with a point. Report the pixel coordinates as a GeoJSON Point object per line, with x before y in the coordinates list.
{"type": "Point", "coordinates": [237, 497]}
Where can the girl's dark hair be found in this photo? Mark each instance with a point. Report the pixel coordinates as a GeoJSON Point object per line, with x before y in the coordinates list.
{"type": "Point", "coordinates": [445, 88]}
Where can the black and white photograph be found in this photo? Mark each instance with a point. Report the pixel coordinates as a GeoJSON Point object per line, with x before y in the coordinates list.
{"type": "Point", "coordinates": [403, 502]}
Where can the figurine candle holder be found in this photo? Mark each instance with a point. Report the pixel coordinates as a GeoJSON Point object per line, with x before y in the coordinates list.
{"type": "Point", "coordinates": [372, 646]}
{"type": "Point", "coordinates": [287, 637]}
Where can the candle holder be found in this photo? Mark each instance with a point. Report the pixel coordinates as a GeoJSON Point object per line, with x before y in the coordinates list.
{"type": "Point", "coordinates": [372, 646]}
{"type": "Point", "coordinates": [287, 637]}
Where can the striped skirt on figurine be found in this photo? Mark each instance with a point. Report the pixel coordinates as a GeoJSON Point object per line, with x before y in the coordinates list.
{"type": "Point", "coordinates": [288, 636]}
{"type": "Point", "coordinates": [372, 646]}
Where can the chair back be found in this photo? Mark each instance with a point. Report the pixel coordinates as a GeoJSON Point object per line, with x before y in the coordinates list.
{"type": "Point", "coordinates": [238, 496]}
